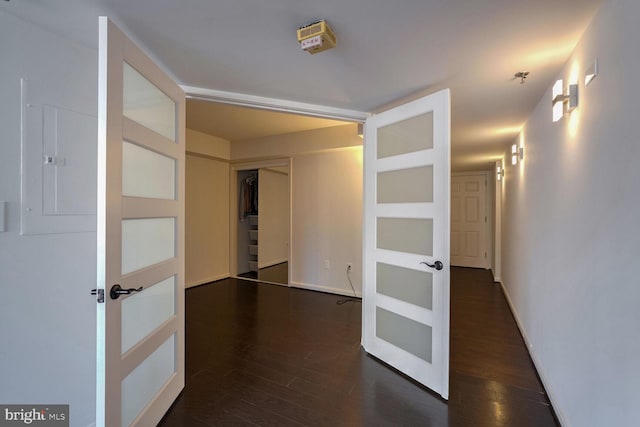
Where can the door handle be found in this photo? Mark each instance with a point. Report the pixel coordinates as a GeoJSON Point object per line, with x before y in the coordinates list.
{"type": "Point", "coordinates": [116, 291]}
{"type": "Point", "coordinates": [437, 265]}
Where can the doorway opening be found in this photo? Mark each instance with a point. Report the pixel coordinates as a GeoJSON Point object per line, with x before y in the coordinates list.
{"type": "Point", "coordinates": [262, 219]}
{"type": "Point", "coordinates": [263, 190]}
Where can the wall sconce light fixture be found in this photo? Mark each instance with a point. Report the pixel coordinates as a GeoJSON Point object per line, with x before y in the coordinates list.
{"type": "Point", "coordinates": [499, 173]}
{"type": "Point", "coordinates": [563, 103]}
{"type": "Point", "coordinates": [517, 153]}
{"type": "Point", "coordinates": [591, 73]}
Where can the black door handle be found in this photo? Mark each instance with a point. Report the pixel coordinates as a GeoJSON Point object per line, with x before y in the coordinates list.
{"type": "Point", "coordinates": [437, 265]}
{"type": "Point", "coordinates": [116, 291]}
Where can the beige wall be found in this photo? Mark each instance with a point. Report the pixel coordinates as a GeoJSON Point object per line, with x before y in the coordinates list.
{"type": "Point", "coordinates": [297, 143]}
{"type": "Point", "coordinates": [202, 143]}
{"type": "Point", "coordinates": [326, 221]}
{"type": "Point", "coordinates": [207, 209]}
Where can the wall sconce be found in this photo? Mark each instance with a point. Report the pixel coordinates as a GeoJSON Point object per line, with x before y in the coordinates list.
{"type": "Point", "coordinates": [499, 173]}
{"type": "Point", "coordinates": [563, 103]}
{"type": "Point", "coordinates": [591, 73]}
{"type": "Point", "coordinates": [361, 130]}
{"type": "Point", "coordinates": [517, 153]}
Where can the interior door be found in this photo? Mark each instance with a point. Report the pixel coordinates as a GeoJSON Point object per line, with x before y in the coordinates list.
{"type": "Point", "coordinates": [469, 221]}
{"type": "Point", "coordinates": [140, 235]}
{"type": "Point", "coordinates": [406, 239]}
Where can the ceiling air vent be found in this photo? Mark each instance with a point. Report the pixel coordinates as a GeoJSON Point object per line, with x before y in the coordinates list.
{"type": "Point", "coordinates": [316, 37]}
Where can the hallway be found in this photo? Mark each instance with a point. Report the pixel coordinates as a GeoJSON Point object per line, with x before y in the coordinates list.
{"type": "Point", "coordinates": [269, 355]}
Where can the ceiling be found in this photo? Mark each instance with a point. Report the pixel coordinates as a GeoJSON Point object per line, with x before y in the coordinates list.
{"type": "Point", "coordinates": [235, 123]}
{"type": "Point", "coordinates": [387, 50]}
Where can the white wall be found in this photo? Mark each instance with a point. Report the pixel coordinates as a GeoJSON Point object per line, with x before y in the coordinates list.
{"type": "Point", "coordinates": [47, 315]}
{"type": "Point", "coordinates": [570, 236]}
{"type": "Point", "coordinates": [206, 209]}
{"type": "Point", "coordinates": [326, 222]}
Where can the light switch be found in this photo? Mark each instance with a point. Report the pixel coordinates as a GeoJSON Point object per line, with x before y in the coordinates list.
{"type": "Point", "coordinates": [3, 214]}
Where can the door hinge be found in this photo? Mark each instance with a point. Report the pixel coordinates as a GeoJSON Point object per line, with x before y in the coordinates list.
{"type": "Point", "coordinates": [100, 293]}
{"type": "Point", "coordinates": [485, 218]}
{"type": "Point", "coordinates": [485, 255]}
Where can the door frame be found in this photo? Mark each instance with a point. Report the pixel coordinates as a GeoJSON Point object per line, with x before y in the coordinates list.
{"type": "Point", "coordinates": [498, 186]}
{"type": "Point", "coordinates": [274, 104]}
{"type": "Point", "coordinates": [233, 211]}
{"type": "Point", "coordinates": [269, 104]}
{"type": "Point", "coordinates": [489, 207]}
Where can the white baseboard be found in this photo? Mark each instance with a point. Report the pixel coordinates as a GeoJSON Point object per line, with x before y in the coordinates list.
{"type": "Point", "coordinates": [207, 280]}
{"type": "Point", "coordinates": [321, 288]}
{"type": "Point", "coordinates": [536, 361]}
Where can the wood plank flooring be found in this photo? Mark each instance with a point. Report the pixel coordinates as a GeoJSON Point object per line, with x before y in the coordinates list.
{"type": "Point", "coordinates": [267, 355]}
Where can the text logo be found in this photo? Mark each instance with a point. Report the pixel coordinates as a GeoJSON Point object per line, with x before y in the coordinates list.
{"type": "Point", "coordinates": [34, 415]}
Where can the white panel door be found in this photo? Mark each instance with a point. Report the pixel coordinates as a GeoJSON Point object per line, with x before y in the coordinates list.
{"type": "Point", "coordinates": [469, 221]}
{"type": "Point", "coordinates": [406, 239]}
{"type": "Point", "coordinates": [140, 362]}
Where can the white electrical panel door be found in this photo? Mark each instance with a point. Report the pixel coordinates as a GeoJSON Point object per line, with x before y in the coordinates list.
{"type": "Point", "coordinates": [59, 158]}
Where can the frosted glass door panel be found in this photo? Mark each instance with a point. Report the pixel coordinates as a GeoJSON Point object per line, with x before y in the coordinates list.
{"type": "Point", "coordinates": [412, 286]}
{"type": "Point", "coordinates": [139, 387]}
{"type": "Point", "coordinates": [413, 185]}
{"type": "Point", "coordinates": [410, 235]}
{"type": "Point", "coordinates": [407, 334]}
{"type": "Point", "coordinates": [143, 312]}
{"type": "Point", "coordinates": [406, 136]}
{"type": "Point", "coordinates": [146, 173]}
{"type": "Point", "coordinates": [146, 242]}
{"type": "Point", "coordinates": [144, 103]}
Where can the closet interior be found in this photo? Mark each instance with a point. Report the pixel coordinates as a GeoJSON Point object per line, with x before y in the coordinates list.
{"type": "Point", "coordinates": [248, 233]}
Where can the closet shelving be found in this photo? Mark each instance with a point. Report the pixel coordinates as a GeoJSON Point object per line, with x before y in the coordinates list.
{"type": "Point", "coordinates": [253, 242]}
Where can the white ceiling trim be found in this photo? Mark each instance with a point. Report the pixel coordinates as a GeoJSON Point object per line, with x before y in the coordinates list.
{"type": "Point", "coordinates": [274, 104]}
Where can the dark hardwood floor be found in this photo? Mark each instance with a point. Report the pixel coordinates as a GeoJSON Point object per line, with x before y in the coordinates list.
{"type": "Point", "coordinates": [269, 355]}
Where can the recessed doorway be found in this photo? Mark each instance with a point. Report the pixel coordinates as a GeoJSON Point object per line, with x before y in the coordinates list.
{"type": "Point", "coordinates": [263, 225]}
